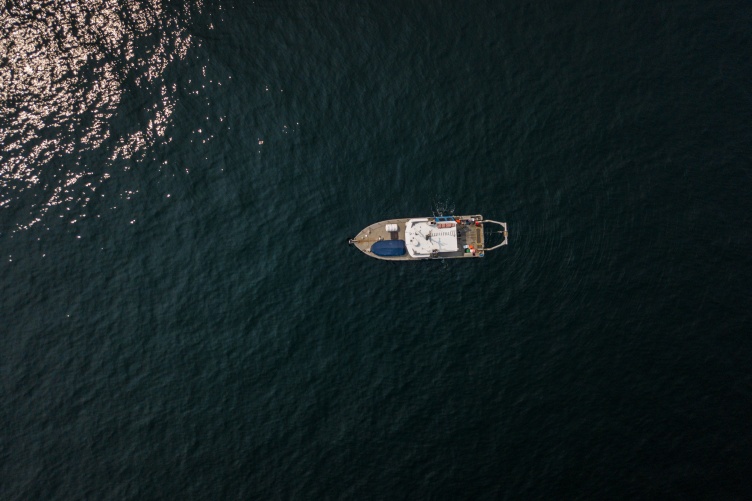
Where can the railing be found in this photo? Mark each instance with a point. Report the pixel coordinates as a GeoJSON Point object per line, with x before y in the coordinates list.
{"type": "Point", "coordinates": [505, 232]}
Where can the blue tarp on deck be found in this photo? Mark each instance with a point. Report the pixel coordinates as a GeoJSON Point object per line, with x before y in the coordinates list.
{"type": "Point", "coordinates": [389, 248]}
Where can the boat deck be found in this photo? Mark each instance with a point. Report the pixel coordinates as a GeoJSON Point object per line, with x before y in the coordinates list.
{"type": "Point", "coordinates": [466, 235]}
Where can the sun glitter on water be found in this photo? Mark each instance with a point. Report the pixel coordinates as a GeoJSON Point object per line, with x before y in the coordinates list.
{"type": "Point", "coordinates": [63, 78]}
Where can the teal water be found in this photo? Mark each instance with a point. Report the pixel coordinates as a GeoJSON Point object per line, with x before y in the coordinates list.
{"type": "Point", "coordinates": [182, 318]}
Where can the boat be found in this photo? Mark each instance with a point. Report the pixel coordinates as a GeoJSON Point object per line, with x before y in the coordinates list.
{"type": "Point", "coordinates": [438, 237]}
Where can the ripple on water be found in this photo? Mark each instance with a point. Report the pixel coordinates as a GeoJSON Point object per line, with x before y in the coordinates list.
{"type": "Point", "coordinates": [63, 79]}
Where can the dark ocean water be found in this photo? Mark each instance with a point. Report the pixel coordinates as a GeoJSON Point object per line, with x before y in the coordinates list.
{"type": "Point", "coordinates": [180, 315]}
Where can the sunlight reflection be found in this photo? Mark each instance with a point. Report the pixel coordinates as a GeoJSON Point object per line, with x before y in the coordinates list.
{"type": "Point", "coordinates": [64, 66]}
